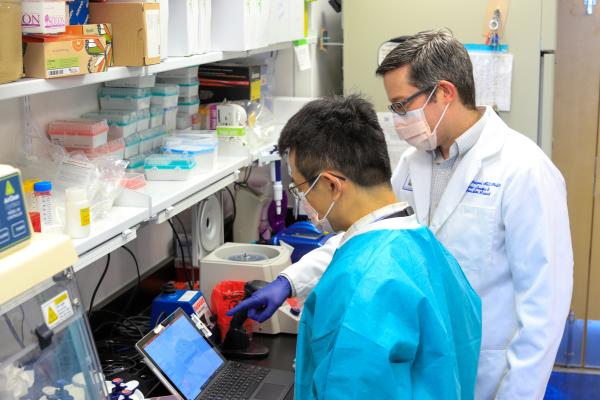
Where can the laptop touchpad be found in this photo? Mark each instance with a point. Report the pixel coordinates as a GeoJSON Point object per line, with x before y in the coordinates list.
{"type": "Point", "coordinates": [269, 391]}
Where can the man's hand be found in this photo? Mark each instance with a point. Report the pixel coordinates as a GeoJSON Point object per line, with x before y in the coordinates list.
{"type": "Point", "coordinates": [264, 302]}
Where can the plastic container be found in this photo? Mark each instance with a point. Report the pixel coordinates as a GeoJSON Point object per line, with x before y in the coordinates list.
{"type": "Point", "coordinates": [203, 148]}
{"type": "Point", "coordinates": [166, 167]}
{"type": "Point", "coordinates": [133, 180]}
{"type": "Point", "coordinates": [189, 72]}
{"type": "Point", "coordinates": [188, 87]}
{"type": "Point", "coordinates": [165, 95]}
{"type": "Point", "coordinates": [84, 133]}
{"type": "Point", "coordinates": [147, 81]}
{"type": "Point", "coordinates": [43, 198]}
{"type": "Point", "coordinates": [184, 121]}
{"type": "Point", "coordinates": [132, 145]}
{"type": "Point", "coordinates": [158, 133]}
{"type": "Point", "coordinates": [30, 202]}
{"type": "Point", "coordinates": [146, 141]}
{"type": "Point", "coordinates": [188, 105]}
{"type": "Point", "coordinates": [157, 116]}
{"type": "Point", "coordinates": [171, 118]}
{"type": "Point", "coordinates": [136, 163]}
{"type": "Point", "coordinates": [120, 123]}
{"type": "Point", "coordinates": [143, 119]}
{"type": "Point", "coordinates": [115, 147]}
{"type": "Point", "coordinates": [112, 98]}
{"type": "Point", "coordinates": [77, 213]}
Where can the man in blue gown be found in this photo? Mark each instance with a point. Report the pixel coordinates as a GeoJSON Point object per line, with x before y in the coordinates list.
{"type": "Point", "coordinates": [393, 316]}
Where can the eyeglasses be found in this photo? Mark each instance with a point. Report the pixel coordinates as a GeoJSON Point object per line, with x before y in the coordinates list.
{"type": "Point", "coordinates": [298, 194]}
{"type": "Point", "coordinates": [400, 107]}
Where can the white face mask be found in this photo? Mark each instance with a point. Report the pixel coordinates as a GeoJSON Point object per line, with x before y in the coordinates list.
{"type": "Point", "coordinates": [313, 215]}
{"type": "Point", "coordinates": [413, 127]}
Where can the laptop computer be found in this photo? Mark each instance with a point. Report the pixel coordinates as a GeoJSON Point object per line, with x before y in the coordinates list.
{"type": "Point", "coordinates": [181, 356]}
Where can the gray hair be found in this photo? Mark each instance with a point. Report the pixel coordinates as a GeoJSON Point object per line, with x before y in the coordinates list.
{"type": "Point", "coordinates": [434, 56]}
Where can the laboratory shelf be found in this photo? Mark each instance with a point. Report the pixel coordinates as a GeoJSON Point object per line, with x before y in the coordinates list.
{"type": "Point", "coordinates": [31, 86]}
{"type": "Point", "coordinates": [165, 199]}
{"type": "Point", "coordinates": [108, 234]}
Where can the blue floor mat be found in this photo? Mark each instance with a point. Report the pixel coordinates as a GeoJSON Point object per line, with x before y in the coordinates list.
{"type": "Point", "coordinates": [573, 386]}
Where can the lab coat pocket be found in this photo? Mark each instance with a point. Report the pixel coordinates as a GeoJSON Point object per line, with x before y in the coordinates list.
{"type": "Point", "coordinates": [468, 235]}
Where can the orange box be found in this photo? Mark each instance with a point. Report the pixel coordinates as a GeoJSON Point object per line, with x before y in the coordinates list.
{"type": "Point", "coordinates": [56, 56]}
{"type": "Point", "coordinates": [104, 30]}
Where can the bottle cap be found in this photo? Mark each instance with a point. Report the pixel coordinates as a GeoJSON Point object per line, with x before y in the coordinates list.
{"type": "Point", "coordinates": [28, 185]}
{"type": "Point", "coordinates": [43, 186]}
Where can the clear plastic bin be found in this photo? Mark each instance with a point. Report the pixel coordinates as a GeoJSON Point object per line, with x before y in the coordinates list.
{"type": "Point", "coordinates": [165, 95]}
{"type": "Point", "coordinates": [147, 81]}
{"type": "Point", "coordinates": [171, 118]}
{"type": "Point", "coordinates": [143, 119]}
{"type": "Point", "coordinates": [189, 72]}
{"type": "Point", "coordinates": [202, 147]}
{"type": "Point", "coordinates": [188, 105]}
{"type": "Point", "coordinates": [112, 98]}
{"type": "Point", "coordinates": [167, 167]}
{"type": "Point", "coordinates": [147, 141]}
{"type": "Point", "coordinates": [157, 116]}
{"type": "Point", "coordinates": [47, 343]}
{"type": "Point", "coordinates": [84, 133]}
{"type": "Point", "coordinates": [184, 121]}
{"type": "Point", "coordinates": [188, 87]}
{"type": "Point", "coordinates": [132, 145]}
{"type": "Point", "coordinates": [120, 123]}
{"type": "Point", "coordinates": [159, 133]}
{"type": "Point", "coordinates": [136, 163]}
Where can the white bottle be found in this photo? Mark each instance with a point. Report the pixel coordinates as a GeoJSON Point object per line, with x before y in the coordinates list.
{"type": "Point", "coordinates": [77, 213]}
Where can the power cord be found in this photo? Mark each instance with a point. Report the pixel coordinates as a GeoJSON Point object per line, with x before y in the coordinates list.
{"type": "Point", "coordinates": [189, 246]}
{"type": "Point", "coordinates": [139, 280]}
{"type": "Point", "coordinates": [98, 285]}
{"type": "Point", "coordinates": [232, 202]}
{"type": "Point", "coordinates": [190, 283]}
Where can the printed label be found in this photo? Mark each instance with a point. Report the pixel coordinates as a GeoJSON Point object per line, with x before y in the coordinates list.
{"type": "Point", "coordinates": [187, 296]}
{"type": "Point", "coordinates": [84, 216]}
{"type": "Point", "coordinates": [153, 33]}
{"type": "Point", "coordinates": [62, 63]}
{"type": "Point", "coordinates": [57, 310]}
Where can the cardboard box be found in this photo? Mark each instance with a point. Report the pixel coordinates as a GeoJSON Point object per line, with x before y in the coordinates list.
{"type": "Point", "coordinates": [11, 58]}
{"type": "Point", "coordinates": [183, 28]}
{"type": "Point", "coordinates": [78, 11]}
{"type": "Point", "coordinates": [55, 56]}
{"type": "Point", "coordinates": [136, 31]}
{"type": "Point", "coordinates": [104, 30]}
{"type": "Point", "coordinates": [43, 17]}
{"type": "Point", "coordinates": [220, 82]}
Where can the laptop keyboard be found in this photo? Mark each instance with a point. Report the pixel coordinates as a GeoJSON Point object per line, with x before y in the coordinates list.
{"type": "Point", "coordinates": [236, 382]}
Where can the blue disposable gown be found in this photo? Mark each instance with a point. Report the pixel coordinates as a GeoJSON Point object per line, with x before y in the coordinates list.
{"type": "Point", "coordinates": [393, 317]}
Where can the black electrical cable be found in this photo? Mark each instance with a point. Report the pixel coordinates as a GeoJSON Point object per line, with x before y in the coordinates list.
{"type": "Point", "coordinates": [232, 202]}
{"type": "Point", "coordinates": [139, 280]}
{"type": "Point", "coordinates": [189, 247]}
{"type": "Point", "coordinates": [98, 285]}
{"type": "Point", "coordinates": [22, 323]}
{"type": "Point", "coordinates": [190, 284]}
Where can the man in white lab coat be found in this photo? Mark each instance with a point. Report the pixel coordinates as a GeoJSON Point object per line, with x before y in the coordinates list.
{"type": "Point", "coordinates": [491, 196]}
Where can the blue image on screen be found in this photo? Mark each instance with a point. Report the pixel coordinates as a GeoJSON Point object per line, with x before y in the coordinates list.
{"type": "Point", "coordinates": [184, 356]}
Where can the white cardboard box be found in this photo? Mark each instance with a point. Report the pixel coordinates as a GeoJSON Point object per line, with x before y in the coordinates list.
{"type": "Point", "coordinates": [184, 18]}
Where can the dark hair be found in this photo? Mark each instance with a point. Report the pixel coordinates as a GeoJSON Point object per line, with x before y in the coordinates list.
{"type": "Point", "coordinates": [341, 133]}
{"type": "Point", "coordinates": [434, 56]}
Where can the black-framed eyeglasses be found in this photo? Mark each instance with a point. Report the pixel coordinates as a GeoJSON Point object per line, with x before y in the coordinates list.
{"type": "Point", "coordinates": [401, 107]}
{"type": "Point", "coordinates": [296, 192]}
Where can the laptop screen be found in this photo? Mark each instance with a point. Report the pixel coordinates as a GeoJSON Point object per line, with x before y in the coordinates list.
{"type": "Point", "coordinates": [184, 356]}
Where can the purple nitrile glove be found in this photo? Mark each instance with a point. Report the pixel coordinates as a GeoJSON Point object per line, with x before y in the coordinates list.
{"type": "Point", "coordinates": [263, 303]}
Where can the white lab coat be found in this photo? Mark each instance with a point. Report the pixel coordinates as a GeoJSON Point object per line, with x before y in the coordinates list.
{"type": "Point", "coordinates": [504, 217]}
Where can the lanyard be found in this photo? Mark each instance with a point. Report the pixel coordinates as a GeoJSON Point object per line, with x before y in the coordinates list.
{"type": "Point", "coordinates": [406, 212]}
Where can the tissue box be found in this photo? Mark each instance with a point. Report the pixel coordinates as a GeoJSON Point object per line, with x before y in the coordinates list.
{"type": "Point", "coordinates": [78, 11]}
{"type": "Point", "coordinates": [103, 30]}
{"type": "Point", "coordinates": [135, 28]}
{"type": "Point", "coordinates": [54, 56]}
{"type": "Point", "coordinates": [229, 81]}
